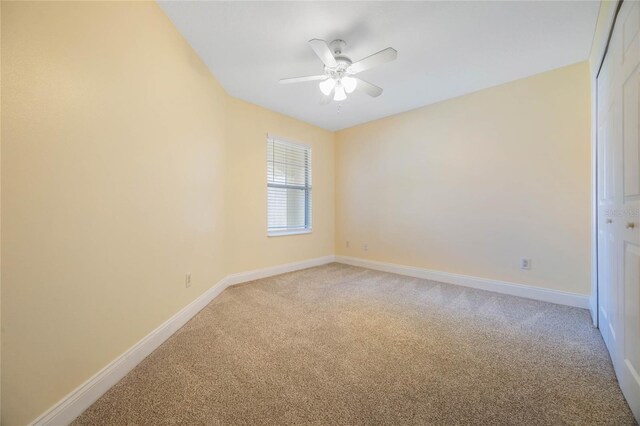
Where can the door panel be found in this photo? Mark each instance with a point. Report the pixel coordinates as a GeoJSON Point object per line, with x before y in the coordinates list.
{"type": "Point", "coordinates": [609, 183]}
{"type": "Point", "coordinates": [618, 200]}
{"type": "Point", "coordinates": [631, 352]}
{"type": "Point", "coordinates": [629, 358]}
{"type": "Point", "coordinates": [630, 149]}
{"type": "Point", "coordinates": [609, 302]}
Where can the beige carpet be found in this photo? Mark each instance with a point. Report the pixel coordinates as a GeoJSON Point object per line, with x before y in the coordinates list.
{"type": "Point", "coordinates": [343, 345]}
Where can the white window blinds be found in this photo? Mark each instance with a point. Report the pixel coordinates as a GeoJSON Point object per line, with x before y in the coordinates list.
{"type": "Point", "coordinates": [288, 187]}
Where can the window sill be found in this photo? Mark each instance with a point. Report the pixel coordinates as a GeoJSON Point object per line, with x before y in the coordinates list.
{"type": "Point", "coordinates": [288, 232]}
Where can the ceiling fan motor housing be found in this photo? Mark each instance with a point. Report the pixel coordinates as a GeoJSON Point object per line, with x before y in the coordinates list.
{"type": "Point", "coordinates": [340, 70]}
{"type": "Point", "coordinates": [337, 47]}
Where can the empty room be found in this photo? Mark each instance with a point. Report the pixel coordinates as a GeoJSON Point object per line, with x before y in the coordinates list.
{"type": "Point", "coordinates": [320, 212]}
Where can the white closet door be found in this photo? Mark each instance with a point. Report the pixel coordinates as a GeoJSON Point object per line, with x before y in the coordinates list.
{"type": "Point", "coordinates": [619, 201]}
{"type": "Point", "coordinates": [609, 152]}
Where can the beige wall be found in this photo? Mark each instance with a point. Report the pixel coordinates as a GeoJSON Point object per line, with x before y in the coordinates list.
{"type": "Point", "coordinates": [112, 189]}
{"type": "Point", "coordinates": [118, 143]}
{"type": "Point", "coordinates": [247, 242]}
{"type": "Point", "coordinates": [473, 184]}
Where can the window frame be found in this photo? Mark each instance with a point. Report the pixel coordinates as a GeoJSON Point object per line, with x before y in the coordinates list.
{"type": "Point", "coordinates": [307, 187]}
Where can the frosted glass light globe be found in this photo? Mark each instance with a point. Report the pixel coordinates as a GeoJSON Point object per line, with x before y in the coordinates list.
{"type": "Point", "coordinates": [326, 86]}
{"type": "Point", "coordinates": [339, 94]}
{"type": "Point", "coordinates": [349, 84]}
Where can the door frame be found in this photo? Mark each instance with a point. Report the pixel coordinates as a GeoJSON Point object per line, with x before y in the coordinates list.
{"type": "Point", "coordinates": [601, 51]}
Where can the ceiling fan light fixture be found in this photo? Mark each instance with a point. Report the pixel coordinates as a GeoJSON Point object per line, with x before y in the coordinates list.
{"type": "Point", "coordinates": [349, 84]}
{"type": "Point", "coordinates": [340, 95]}
{"type": "Point", "coordinates": [339, 78]}
{"type": "Point", "coordinates": [326, 86]}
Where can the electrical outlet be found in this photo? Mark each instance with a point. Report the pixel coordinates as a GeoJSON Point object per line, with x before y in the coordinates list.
{"type": "Point", "coordinates": [525, 263]}
{"type": "Point", "coordinates": [187, 280]}
{"type": "Point", "coordinates": [347, 244]}
{"type": "Point", "coordinates": [365, 247]}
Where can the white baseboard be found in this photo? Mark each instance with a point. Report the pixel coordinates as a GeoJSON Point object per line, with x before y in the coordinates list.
{"type": "Point", "coordinates": [593, 307]}
{"type": "Point", "coordinates": [72, 405]}
{"type": "Point", "coordinates": [243, 277]}
{"type": "Point", "coordinates": [521, 290]}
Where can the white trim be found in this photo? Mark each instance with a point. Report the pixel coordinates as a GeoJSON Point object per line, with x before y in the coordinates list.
{"type": "Point", "coordinates": [289, 232]}
{"type": "Point", "coordinates": [593, 299]}
{"type": "Point", "coordinates": [289, 141]}
{"type": "Point", "coordinates": [594, 67]}
{"type": "Point", "coordinates": [243, 277]}
{"type": "Point", "coordinates": [521, 290]}
{"type": "Point", "coordinates": [72, 405]}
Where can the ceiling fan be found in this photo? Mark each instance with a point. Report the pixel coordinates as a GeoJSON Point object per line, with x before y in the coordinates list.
{"type": "Point", "coordinates": [339, 76]}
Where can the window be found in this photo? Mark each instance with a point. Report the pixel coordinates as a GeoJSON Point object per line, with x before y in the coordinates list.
{"type": "Point", "coordinates": [288, 187]}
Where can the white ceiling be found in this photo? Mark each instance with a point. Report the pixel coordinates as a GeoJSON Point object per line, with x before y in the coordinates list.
{"type": "Point", "coordinates": [445, 49]}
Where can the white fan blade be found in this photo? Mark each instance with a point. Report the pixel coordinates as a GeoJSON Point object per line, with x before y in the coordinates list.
{"type": "Point", "coordinates": [382, 57]}
{"type": "Point", "coordinates": [302, 79]}
{"type": "Point", "coordinates": [323, 52]}
{"type": "Point", "coordinates": [368, 88]}
{"type": "Point", "coordinates": [327, 98]}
